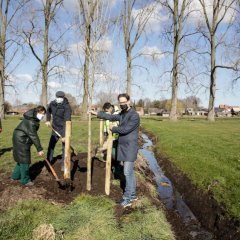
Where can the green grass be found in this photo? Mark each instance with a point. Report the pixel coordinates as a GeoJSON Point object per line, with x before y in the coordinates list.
{"type": "Point", "coordinates": [206, 152]}
{"type": "Point", "coordinates": [87, 217]}
{"type": "Point", "coordinates": [79, 139]}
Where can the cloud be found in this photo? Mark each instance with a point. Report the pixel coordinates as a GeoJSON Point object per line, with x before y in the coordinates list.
{"type": "Point", "coordinates": [24, 77]}
{"type": "Point", "coordinates": [54, 85]}
{"type": "Point", "coordinates": [197, 14]}
{"type": "Point", "coordinates": [153, 53]}
{"type": "Point", "coordinates": [152, 13]}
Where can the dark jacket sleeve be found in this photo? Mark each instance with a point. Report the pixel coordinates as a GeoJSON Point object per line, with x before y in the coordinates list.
{"type": "Point", "coordinates": [111, 117]}
{"type": "Point", "coordinates": [49, 112]}
{"type": "Point", "coordinates": [132, 124]}
{"type": "Point", "coordinates": [32, 134]}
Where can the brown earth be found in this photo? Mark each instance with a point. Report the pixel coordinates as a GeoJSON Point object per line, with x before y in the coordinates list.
{"type": "Point", "coordinates": [46, 187]}
{"type": "Point", "coordinates": [211, 215]}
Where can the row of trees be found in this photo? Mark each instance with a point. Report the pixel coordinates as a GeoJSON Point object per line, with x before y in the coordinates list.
{"type": "Point", "coordinates": [189, 102]}
{"type": "Point", "coordinates": [41, 31]}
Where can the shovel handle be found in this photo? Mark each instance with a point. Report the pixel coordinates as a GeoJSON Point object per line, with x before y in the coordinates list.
{"type": "Point", "coordinates": [52, 170]}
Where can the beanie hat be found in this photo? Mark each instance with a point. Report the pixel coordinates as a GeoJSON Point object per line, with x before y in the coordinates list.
{"type": "Point", "coordinates": [60, 94]}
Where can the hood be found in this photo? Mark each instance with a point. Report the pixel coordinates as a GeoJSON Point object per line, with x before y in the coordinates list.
{"type": "Point", "coordinates": [31, 115]}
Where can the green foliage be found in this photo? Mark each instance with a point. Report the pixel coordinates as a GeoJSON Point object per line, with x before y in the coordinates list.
{"type": "Point", "coordinates": [207, 152]}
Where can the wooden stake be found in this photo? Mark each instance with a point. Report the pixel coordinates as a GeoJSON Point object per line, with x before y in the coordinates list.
{"type": "Point", "coordinates": [108, 163]}
{"type": "Point", "coordinates": [101, 133]}
{"type": "Point", "coordinates": [89, 158]}
{"type": "Point", "coordinates": [67, 155]}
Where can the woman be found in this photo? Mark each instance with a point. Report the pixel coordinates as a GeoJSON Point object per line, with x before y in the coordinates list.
{"type": "Point", "coordinates": [24, 135]}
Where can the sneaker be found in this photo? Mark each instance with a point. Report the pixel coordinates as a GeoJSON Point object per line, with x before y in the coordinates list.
{"type": "Point", "coordinates": [126, 203]}
{"type": "Point", "coordinates": [134, 199]}
{"type": "Point", "coordinates": [29, 184]}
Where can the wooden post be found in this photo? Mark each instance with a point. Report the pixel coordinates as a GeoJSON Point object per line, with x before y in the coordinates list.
{"type": "Point", "coordinates": [89, 158]}
{"type": "Point", "coordinates": [108, 163]}
{"type": "Point", "coordinates": [67, 155]}
{"type": "Point", "coordinates": [101, 133]}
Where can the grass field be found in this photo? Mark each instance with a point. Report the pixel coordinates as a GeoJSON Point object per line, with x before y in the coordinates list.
{"type": "Point", "coordinates": [207, 152]}
{"type": "Point", "coordinates": [87, 217]}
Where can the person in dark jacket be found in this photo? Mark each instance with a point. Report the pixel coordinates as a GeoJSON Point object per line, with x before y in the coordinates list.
{"type": "Point", "coordinates": [24, 135]}
{"type": "Point", "coordinates": [127, 149]}
{"type": "Point", "coordinates": [60, 111]}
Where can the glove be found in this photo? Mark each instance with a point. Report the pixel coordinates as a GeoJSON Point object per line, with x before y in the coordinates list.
{"type": "Point", "coordinates": [41, 153]}
{"type": "Point", "coordinates": [48, 124]}
{"type": "Point", "coordinates": [0, 130]}
{"type": "Point", "coordinates": [63, 140]}
{"type": "Point", "coordinates": [105, 134]}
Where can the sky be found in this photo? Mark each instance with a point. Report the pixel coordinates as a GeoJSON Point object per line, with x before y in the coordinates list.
{"type": "Point", "coordinates": [149, 80]}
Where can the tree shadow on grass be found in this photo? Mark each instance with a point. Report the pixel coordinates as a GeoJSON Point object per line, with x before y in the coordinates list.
{"type": "Point", "coordinates": [2, 151]}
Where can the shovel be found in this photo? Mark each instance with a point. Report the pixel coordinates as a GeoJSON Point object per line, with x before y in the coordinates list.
{"type": "Point", "coordinates": [61, 183]}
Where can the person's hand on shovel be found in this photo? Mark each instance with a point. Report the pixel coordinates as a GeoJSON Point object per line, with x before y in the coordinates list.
{"type": "Point", "coordinates": [40, 154]}
{"type": "Point", "coordinates": [63, 139]}
{"type": "Point", "coordinates": [48, 124]}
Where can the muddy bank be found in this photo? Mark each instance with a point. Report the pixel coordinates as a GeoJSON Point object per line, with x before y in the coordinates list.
{"type": "Point", "coordinates": [212, 215]}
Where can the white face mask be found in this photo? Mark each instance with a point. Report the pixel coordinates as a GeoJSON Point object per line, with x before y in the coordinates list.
{"type": "Point", "coordinates": [40, 116]}
{"type": "Point", "coordinates": [59, 100]}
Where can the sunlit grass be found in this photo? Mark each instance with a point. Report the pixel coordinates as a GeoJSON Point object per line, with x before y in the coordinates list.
{"type": "Point", "coordinates": [207, 152]}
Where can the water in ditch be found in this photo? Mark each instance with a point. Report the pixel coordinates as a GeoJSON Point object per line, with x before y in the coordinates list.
{"type": "Point", "coordinates": [169, 194]}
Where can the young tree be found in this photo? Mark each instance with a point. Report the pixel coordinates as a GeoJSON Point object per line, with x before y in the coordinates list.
{"type": "Point", "coordinates": [218, 19]}
{"type": "Point", "coordinates": [52, 48]}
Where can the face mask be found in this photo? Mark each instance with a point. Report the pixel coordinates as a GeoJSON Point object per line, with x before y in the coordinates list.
{"type": "Point", "coordinates": [124, 107]}
{"type": "Point", "coordinates": [40, 116]}
{"type": "Point", "coordinates": [59, 100]}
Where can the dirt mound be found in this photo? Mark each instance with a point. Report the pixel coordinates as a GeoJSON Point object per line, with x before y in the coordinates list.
{"type": "Point", "coordinates": [46, 187]}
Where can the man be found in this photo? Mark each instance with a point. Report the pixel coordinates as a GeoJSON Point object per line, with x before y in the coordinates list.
{"type": "Point", "coordinates": [60, 111]}
{"type": "Point", "coordinates": [24, 135]}
{"type": "Point", "coordinates": [128, 129]}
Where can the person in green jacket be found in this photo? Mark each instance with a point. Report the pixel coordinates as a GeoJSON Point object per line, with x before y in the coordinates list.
{"type": "Point", "coordinates": [24, 135]}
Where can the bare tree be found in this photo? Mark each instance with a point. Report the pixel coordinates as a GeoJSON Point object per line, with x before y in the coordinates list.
{"type": "Point", "coordinates": [179, 11]}
{"type": "Point", "coordinates": [52, 49]}
{"type": "Point", "coordinates": [8, 12]}
{"type": "Point", "coordinates": [134, 26]}
{"type": "Point", "coordinates": [215, 30]}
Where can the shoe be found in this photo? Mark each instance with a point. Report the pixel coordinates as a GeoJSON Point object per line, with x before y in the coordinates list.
{"type": "Point", "coordinates": [62, 168]}
{"type": "Point", "coordinates": [126, 203]}
{"type": "Point", "coordinates": [29, 184]}
{"type": "Point", "coordinates": [133, 199]}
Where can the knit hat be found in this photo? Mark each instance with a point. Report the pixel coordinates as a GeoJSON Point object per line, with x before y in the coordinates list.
{"type": "Point", "coordinates": [60, 94]}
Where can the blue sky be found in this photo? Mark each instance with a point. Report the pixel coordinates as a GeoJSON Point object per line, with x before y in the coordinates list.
{"type": "Point", "coordinates": [147, 84]}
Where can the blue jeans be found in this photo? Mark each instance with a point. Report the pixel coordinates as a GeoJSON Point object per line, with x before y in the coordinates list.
{"type": "Point", "coordinates": [52, 143]}
{"type": "Point", "coordinates": [130, 189]}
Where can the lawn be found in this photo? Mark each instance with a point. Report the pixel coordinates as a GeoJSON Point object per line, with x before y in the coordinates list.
{"type": "Point", "coordinates": [87, 217]}
{"type": "Point", "coordinates": [207, 152]}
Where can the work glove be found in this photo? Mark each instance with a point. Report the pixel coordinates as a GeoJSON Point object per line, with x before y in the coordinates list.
{"type": "Point", "coordinates": [63, 140]}
{"type": "Point", "coordinates": [48, 124]}
{"type": "Point", "coordinates": [41, 153]}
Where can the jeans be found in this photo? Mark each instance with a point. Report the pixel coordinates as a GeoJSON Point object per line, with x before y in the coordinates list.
{"type": "Point", "coordinates": [52, 143]}
{"type": "Point", "coordinates": [21, 172]}
{"type": "Point", "coordinates": [130, 189]}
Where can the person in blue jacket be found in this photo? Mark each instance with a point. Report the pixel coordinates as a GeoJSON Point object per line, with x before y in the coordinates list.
{"type": "Point", "coordinates": [127, 149]}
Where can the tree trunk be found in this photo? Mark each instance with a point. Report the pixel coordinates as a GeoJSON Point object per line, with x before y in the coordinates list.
{"type": "Point", "coordinates": [129, 72]}
{"type": "Point", "coordinates": [84, 115]}
{"type": "Point", "coordinates": [173, 112]}
{"type": "Point", "coordinates": [3, 27]}
{"type": "Point", "coordinates": [211, 113]}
